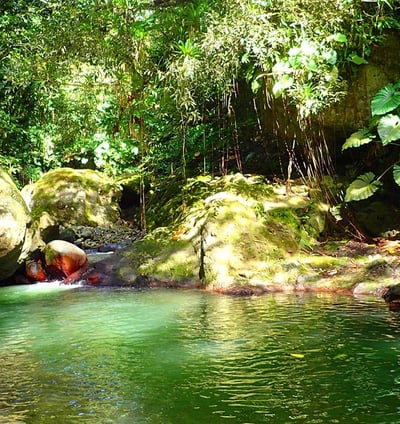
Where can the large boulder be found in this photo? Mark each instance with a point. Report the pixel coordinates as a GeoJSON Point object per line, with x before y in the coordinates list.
{"type": "Point", "coordinates": [67, 196]}
{"type": "Point", "coordinates": [242, 235]}
{"type": "Point", "coordinates": [14, 221]}
{"type": "Point", "coordinates": [64, 257]}
{"type": "Point", "coordinates": [228, 231]}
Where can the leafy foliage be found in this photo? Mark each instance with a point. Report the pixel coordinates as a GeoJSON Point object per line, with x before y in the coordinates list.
{"type": "Point", "coordinates": [387, 128]}
{"type": "Point", "coordinates": [363, 187]}
{"type": "Point", "coordinates": [396, 174]}
{"type": "Point", "coordinates": [359, 138]}
{"type": "Point", "coordinates": [386, 99]}
{"type": "Point", "coordinates": [152, 86]}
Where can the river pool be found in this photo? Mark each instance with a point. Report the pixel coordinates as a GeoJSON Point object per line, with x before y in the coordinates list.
{"type": "Point", "coordinates": [74, 355]}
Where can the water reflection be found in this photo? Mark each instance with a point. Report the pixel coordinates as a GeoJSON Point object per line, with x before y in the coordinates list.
{"type": "Point", "coordinates": [191, 357]}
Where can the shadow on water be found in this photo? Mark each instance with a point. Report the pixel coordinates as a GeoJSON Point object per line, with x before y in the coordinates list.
{"type": "Point", "coordinates": [123, 356]}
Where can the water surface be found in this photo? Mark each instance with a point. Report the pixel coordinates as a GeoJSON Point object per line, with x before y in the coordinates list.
{"type": "Point", "coordinates": [175, 357]}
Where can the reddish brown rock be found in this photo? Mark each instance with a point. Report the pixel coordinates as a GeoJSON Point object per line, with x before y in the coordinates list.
{"type": "Point", "coordinates": [35, 271]}
{"type": "Point", "coordinates": [58, 260]}
{"type": "Point", "coordinates": [65, 258]}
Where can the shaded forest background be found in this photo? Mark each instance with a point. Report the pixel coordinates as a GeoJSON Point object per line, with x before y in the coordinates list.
{"type": "Point", "coordinates": [175, 87]}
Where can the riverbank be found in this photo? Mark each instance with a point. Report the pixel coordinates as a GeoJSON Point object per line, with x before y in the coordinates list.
{"type": "Point", "coordinates": [243, 235]}
{"type": "Point", "coordinates": [239, 235]}
{"type": "Point", "coordinates": [346, 267]}
{"type": "Point", "coordinates": [361, 269]}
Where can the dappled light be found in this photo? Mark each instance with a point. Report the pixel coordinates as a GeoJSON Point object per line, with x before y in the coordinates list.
{"type": "Point", "coordinates": [199, 211]}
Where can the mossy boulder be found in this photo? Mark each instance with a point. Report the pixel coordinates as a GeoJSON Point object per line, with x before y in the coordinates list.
{"type": "Point", "coordinates": [223, 232]}
{"type": "Point", "coordinates": [243, 235]}
{"type": "Point", "coordinates": [14, 221]}
{"type": "Point", "coordinates": [68, 196]}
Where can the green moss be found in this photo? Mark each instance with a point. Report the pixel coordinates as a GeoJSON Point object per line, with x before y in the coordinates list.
{"type": "Point", "coordinates": [170, 202]}
{"type": "Point", "coordinates": [245, 227]}
{"type": "Point", "coordinates": [166, 259]}
{"type": "Point", "coordinates": [235, 232]}
{"type": "Point", "coordinates": [82, 197]}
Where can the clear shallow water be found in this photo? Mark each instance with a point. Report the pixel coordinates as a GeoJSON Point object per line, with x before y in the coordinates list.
{"type": "Point", "coordinates": [176, 357]}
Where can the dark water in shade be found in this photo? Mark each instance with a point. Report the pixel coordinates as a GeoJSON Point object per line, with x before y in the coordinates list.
{"type": "Point", "coordinates": [174, 357]}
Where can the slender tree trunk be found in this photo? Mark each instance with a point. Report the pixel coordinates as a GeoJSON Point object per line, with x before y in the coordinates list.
{"type": "Point", "coordinates": [183, 129]}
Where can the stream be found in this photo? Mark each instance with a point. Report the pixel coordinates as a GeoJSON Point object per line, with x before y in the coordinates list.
{"type": "Point", "coordinates": [76, 355]}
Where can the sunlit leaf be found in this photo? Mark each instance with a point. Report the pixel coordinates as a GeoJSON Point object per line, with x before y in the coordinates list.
{"type": "Point", "coordinates": [396, 174]}
{"type": "Point", "coordinates": [255, 86]}
{"type": "Point", "coordinates": [339, 37]}
{"type": "Point", "coordinates": [330, 56]}
{"type": "Point", "coordinates": [282, 84]}
{"type": "Point", "coordinates": [297, 355]}
{"type": "Point", "coordinates": [294, 51]}
{"type": "Point", "coordinates": [358, 139]}
{"type": "Point", "coordinates": [358, 60]}
{"type": "Point", "coordinates": [362, 187]}
{"type": "Point", "coordinates": [311, 65]}
{"type": "Point", "coordinates": [281, 67]}
{"type": "Point", "coordinates": [336, 212]}
{"type": "Point", "coordinates": [386, 99]}
{"type": "Point", "coordinates": [309, 48]}
{"type": "Point", "coordinates": [389, 128]}
{"type": "Point", "coordinates": [340, 356]}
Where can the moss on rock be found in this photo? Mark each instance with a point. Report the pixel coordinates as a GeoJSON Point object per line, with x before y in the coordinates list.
{"type": "Point", "coordinates": [14, 221]}
{"type": "Point", "coordinates": [67, 197]}
{"type": "Point", "coordinates": [79, 197]}
{"type": "Point", "coordinates": [242, 235]}
{"type": "Point", "coordinates": [226, 231]}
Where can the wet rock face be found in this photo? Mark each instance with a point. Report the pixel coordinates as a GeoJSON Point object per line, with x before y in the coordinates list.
{"type": "Point", "coordinates": [14, 220]}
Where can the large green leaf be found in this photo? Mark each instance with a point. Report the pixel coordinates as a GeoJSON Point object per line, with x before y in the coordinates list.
{"type": "Point", "coordinates": [389, 128]}
{"type": "Point", "coordinates": [358, 139]}
{"type": "Point", "coordinates": [362, 188]}
{"type": "Point", "coordinates": [396, 174]}
{"type": "Point", "coordinates": [386, 99]}
{"type": "Point", "coordinates": [355, 58]}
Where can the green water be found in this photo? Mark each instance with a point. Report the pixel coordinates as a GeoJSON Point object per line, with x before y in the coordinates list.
{"type": "Point", "coordinates": [174, 357]}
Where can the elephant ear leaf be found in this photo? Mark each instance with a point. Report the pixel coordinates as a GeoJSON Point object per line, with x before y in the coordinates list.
{"type": "Point", "coordinates": [362, 187]}
{"type": "Point", "coordinates": [396, 174]}
{"type": "Point", "coordinates": [358, 139]}
{"type": "Point", "coordinates": [386, 99]}
{"type": "Point", "coordinates": [389, 128]}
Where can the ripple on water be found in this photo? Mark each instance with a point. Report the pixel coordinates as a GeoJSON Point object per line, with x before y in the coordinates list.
{"type": "Point", "coordinates": [179, 357]}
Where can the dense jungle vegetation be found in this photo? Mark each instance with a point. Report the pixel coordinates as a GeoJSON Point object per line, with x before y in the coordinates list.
{"type": "Point", "coordinates": [163, 87]}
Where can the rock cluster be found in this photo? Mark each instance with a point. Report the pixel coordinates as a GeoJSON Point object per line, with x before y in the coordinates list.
{"type": "Point", "coordinates": [100, 238]}
{"type": "Point", "coordinates": [84, 203]}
